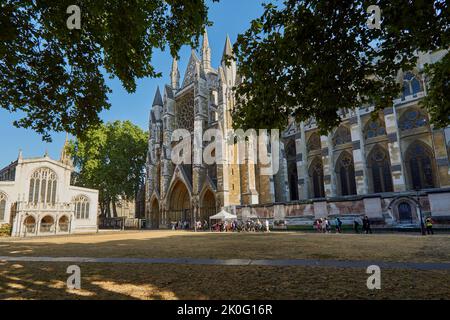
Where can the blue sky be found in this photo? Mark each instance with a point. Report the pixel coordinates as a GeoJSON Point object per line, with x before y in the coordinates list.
{"type": "Point", "coordinates": [229, 17]}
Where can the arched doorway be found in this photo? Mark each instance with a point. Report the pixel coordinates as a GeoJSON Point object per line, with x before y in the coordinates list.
{"type": "Point", "coordinates": [154, 214]}
{"type": "Point", "coordinates": [29, 225]}
{"type": "Point", "coordinates": [180, 204]}
{"type": "Point", "coordinates": [208, 206]}
{"type": "Point", "coordinates": [405, 213]}
{"type": "Point", "coordinates": [47, 224]}
{"type": "Point", "coordinates": [63, 224]}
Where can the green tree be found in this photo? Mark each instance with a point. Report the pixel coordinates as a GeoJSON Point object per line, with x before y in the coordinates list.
{"type": "Point", "coordinates": [311, 58]}
{"type": "Point", "coordinates": [56, 76]}
{"type": "Point", "coordinates": [111, 158]}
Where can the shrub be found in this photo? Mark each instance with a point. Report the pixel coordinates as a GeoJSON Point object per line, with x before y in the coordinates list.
{"type": "Point", "coordinates": [5, 230]}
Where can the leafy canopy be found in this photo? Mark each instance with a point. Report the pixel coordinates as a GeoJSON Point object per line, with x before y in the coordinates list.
{"type": "Point", "coordinates": [111, 158]}
{"type": "Point", "coordinates": [55, 76]}
{"type": "Point", "coordinates": [312, 58]}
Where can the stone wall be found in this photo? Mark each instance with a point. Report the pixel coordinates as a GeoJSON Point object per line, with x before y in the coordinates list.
{"type": "Point", "coordinates": [382, 210]}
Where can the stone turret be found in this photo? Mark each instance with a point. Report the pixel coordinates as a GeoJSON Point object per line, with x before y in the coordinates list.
{"type": "Point", "coordinates": [65, 155]}
{"type": "Point", "coordinates": [229, 66]}
{"type": "Point", "coordinates": [175, 75]}
{"type": "Point", "coordinates": [206, 53]}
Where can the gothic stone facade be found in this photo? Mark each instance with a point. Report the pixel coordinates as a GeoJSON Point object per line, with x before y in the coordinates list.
{"type": "Point", "coordinates": [381, 167]}
{"type": "Point", "coordinates": [36, 198]}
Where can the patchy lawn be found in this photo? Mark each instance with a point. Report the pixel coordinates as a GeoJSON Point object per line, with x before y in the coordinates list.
{"type": "Point", "coordinates": [37, 280]}
{"type": "Point", "coordinates": [281, 245]}
{"type": "Point", "coordinates": [121, 281]}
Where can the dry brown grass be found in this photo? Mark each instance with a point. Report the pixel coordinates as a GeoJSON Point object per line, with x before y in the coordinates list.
{"type": "Point", "coordinates": [114, 281]}
{"type": "Point", "coordinates": [32, 280]}
{"type": "Point", "coordinates": [170, 244]}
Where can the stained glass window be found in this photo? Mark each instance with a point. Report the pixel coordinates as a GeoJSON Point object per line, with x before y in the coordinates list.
{"type": "Point", "coordinates": [374, 128]}
{"type": "Point", "coordinates": [314, 142]}
{"type": "Point", "coordinates": [292, 169]}
{"type": "Point", "coordinates": [2, 206]}
{"type": "Point", "coordinates": [43, 185]}
{"type": "Point", "coordinates": [82, 207]}
{"type": "Point", "coordinates": [419, 160]}
{"type": "Point", "coordinates": [342, 136]}
{"type": "Point", "coordinates": [412, 119]}
{"type": "Point", "coordinates": [346, 173]}
{"type": "Point", "coordinates": [411, 85]}
{"type": "Point", "coordinates": [381, 171]}
{"type": "Point", "coordinates": [316, 178]}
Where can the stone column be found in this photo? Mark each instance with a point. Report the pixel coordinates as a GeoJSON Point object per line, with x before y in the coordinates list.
{"type": "Point", "coordinates": [251, 171]}
{"type": "Point", "coordinates": [440, 152]}
{"type": "Point", "coordinates": [395, 154]}
{"type": "Point", "coordinates": [329, 175]}
{"type": "Point", "coordinates": [359, 160]}
{"type": "Point", "coordinates": [302, 163]}
{"type": "Point", "coordinates": [282, 184]}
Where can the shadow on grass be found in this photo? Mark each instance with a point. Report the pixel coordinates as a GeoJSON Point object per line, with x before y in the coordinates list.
{"type": "Point", "coordinates": [167, 244]}
{"type": "Point", "coordinates": [162, 282]}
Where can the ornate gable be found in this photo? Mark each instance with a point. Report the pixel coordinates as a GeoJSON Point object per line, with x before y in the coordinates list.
{"type": "Point", "coordinates": [291, 130]}
{"type": "Point", "coordinates": [191, 70]}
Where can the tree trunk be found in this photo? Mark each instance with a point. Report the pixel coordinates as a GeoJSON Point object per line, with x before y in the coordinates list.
{"type": "Point", "coordinates": [108, 209]}
{"type": "Point", "coordinates": [114, 209]}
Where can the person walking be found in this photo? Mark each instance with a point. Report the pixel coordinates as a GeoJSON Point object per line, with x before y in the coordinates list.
{"type": "Point", "coordinates": [338, 224]}
{"type": "Point", "coordinates": [356, 225]}
{"type": "Point", "coordinates": [366, 225]}
{"type": "Point", "coordinates": [327, 226]}
{"type": "Point", "coordinates": [429, 225]}
{"type": "Point", "coordinates": [267, 226]}
{"type": "Point", "coordinates": [320, 225]}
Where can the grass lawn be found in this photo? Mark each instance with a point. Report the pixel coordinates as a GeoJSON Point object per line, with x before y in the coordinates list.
{"type": "Point", "coordinates": [33, 280]}
{"type": "Point", "coordinates": [281, 245]}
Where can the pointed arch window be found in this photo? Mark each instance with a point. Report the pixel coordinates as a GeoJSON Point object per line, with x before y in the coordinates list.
{"type": "Point", "coordinates": [381, 170]}
{"type": "Point", "coordinates": [412, 119]}
{"type": "Point", "coordinates": [411, 85]}
{"type": "Point", "coordinates": [292, 169]}
{"type": "Point", "coordinates": [420, 166]}
{"type": "Point", "coordinates": [342, 136]}
{"type": "Point", "coordinates": [81, 207]}
{"type": "Point", "coordinates": [345, 170]}
{"type": "Point", "coordinates": [314, 143]}
{"type": "Point", "coordinates": [2, 206]}
{"type": "Point", "coordinates": [374, 128]}
{"type": "Point", "coordinates": [43, 185]}
{"type": "Point", "coordinates": [316, 178]}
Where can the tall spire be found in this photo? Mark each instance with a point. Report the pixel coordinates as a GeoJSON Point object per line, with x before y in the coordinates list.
{"type": "Point", "coordinates": [175, 75]}
{"type": "Point", "coordinates": [206, 52]}
{"type": "Point", "coordinates": [228, 49]}
{"type": "Point", "coordinates": [65, 155]}
{"type": "Point", "coordinates": [158, 99]}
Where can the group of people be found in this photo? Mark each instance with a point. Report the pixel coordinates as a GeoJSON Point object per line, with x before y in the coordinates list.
{"type": "Point", "coordinates": [240, 226]}
{"type": "Point", "coordinates": [202, 225]}
{"type": "Point", "coordinates": [323, 225]}
{"type": "Point", "coordinates": [365, 222]}
{"type": "Point", "coordinates": [179, 225]}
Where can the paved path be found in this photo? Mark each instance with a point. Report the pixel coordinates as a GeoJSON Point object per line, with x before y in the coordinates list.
{"type": "Point", "coordinates": [240, 262]}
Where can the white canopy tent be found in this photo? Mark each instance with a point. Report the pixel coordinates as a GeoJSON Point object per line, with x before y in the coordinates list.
{"type": "Point", "coordinates": [223, 215]}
